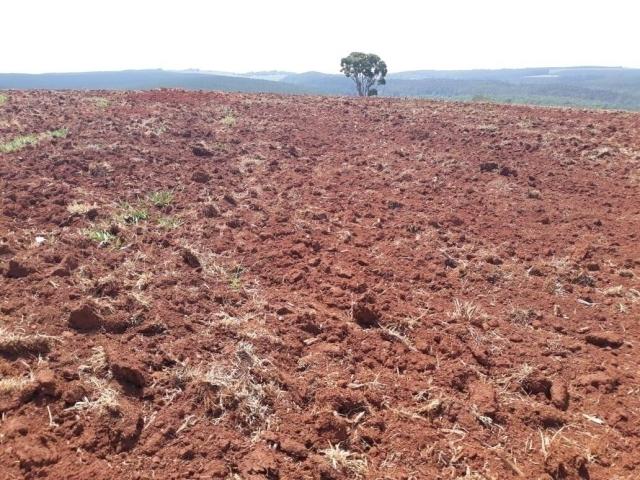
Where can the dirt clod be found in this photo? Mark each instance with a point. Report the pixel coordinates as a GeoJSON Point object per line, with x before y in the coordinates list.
{"type": "Point", "coordinates": [605, 339]}
{"type": "Point", "coordinates": [85, 318]}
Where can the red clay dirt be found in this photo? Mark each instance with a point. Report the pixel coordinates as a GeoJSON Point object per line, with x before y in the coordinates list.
{"type": "Point", "coordinates": [328, 288]}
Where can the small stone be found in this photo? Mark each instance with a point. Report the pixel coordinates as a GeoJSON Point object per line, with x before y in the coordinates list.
{"type": "Point", "coordinates": [488, 167]}
{"type": "Point", "coordinates": [73, 393]}
{"type": "Point", "coordinates": [534, 194]}
{"type": "Point", "coordinates": [92, 214]}
{"type": "Point", "coordinates": [210, 211]}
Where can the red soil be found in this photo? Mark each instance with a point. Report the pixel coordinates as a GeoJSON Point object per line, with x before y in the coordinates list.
{"type": "Point", "coordinates": [432, 290]}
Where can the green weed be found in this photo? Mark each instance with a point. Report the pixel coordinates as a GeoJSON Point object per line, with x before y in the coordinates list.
{"type": "Point", "coordinates": [161, 199]}
{"type": "Point", "coordinates": [102, 237]}
{"type": "Point", "coordinates": [60, 133]}
{"type": "Point", "coordinates": [133, 216]}
{"type": "Point", "coordinates": [3, 99]}
{"type": "Point", "coordinates": [19, 143]}
{"type": "Point", "coordinates": [169, 223]}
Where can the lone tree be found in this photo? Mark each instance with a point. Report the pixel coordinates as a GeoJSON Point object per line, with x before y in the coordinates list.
{"type": "Point", "coordinates": [366, 70]}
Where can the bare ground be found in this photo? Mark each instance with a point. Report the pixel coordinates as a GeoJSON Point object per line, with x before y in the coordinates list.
{"type": "Point", "coordinates": [261, 287]}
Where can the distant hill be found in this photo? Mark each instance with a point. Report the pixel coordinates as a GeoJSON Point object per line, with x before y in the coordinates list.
{"type": "Point", "coordinates": [604, 87]}
{"type": "Point", "coordinates": [577, 86]}
{"type": "Point", "coordinates": [145, 80]}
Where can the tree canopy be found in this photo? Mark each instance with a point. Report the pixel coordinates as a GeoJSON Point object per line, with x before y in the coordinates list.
{"type": "Point", "coordinates": [366, 70]}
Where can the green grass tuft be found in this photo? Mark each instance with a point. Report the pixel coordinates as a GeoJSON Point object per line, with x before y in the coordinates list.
{"type": "Point", "coordinates": [19, 143]}
{"type": "Point", "coordinates": [161, 199]}
{"type": "Point", "coordinates": [23, 141]}
{"type": "Point", "coordinates": [169, 223]}
{"type": "Point", "coordinates": [133, 216]}
{"type": "Point", "coordinates": [3, 99]}
{"type": "Point", "coordinates": [60, 133]}
{"type": "Point", "coordinates": [103, 237]}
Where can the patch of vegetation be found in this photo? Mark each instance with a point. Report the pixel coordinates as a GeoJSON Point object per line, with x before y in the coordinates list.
{"type": "Point", "coordinates": [3, 99]}
{"type": "Point", "coordinates": [59, 133]}
{"type": "Point", "coordinates": [79, 208]}
{"type": "Point", "coordinates": [169, 223]}
{"type": "Point", "coordinates": [22, 141]}
{"type": "Point", "coordinates": [236, 386]}
{"type": "Point", "coordinates": [344, 460]}
{"type": "Point", "coordinates": [161, 199]}
{"type": "Point", "coordinates": [14, 384]}
{"type": "Point", "coordinates": [103, 237]}
{"type": "Point", "coordinates": [101, 102]}
{"type": "Point", "coordinates": [229, 120]}
{"type": "Point", "coordinates": [15, 343]}
{"type": "Point", "coordinates": [104, 398]}
{"type": "Point", "coordinates": [133, 215]}
{"type": "Point", "coordinates": [19, 143]}
{"type": "Point", "coordinates": [235, 277]}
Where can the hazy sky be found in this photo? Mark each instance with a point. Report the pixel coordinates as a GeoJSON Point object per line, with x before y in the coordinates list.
{"type": "Point", "coordinates": [243, 35]}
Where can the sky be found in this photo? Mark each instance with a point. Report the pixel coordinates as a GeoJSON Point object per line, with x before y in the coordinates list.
{"type": "Point", "coordinates": [295, 35]}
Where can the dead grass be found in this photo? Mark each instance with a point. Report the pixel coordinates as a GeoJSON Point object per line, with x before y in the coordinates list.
{"type": "Point", "coordinates": [10, 385]}
{"type": "Point", "coordinates": [80, 208]}
{"type": "Point", "coordinates": [345, 461]}
{"type": "Point", "coordinates": [234, 387]}
{"type": "Point", "coordinates": [104, 399]}
{"type": "Point", "coordinates": [16, 343]}
{"type": "Point", "coordinates": [97, 364]}
{"type": "Point", "coordinates": [464, 310]}
{"type": "Point", "coordinates": [523, 316]}
{"type": "Point", "coordinates": [395, 333]}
